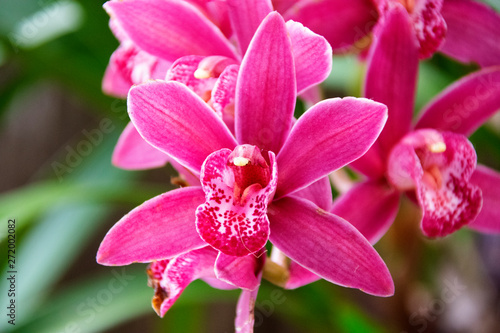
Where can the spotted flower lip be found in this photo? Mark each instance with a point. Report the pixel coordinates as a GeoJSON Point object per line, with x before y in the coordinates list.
{"type": "Point", "coordinates": [329, 135]}
{"type": "Point", "coordinates": [399, 160]}
{"type": "Point", "coordinates": [438, 166]}
{"type": "Point", "coordinates": [238, 186]}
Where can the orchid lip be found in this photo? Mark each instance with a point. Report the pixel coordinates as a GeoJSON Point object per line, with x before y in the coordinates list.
{"type": "Point", "coordinates": [238, 186]}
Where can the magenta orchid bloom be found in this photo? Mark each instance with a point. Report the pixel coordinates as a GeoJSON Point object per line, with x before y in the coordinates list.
{"type": "Point", "coordinates": [250, 182]}
{"type": "Point", "coordinates": [462, 29]}
{"type": "Point", "coordinates": [208, 63]}
{"type": "Point", "coordinates": [433, 159]}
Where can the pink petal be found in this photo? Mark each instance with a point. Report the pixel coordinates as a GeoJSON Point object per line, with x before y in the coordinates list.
{"type": "Point", "coordinates": [117, 30]}
{"type": "Point", "coordinates": [488, 180]}
{"type": "Point", "coordinates": [311, 96]}
{"type": "Point", "coordinates": [160, 228]}
{"type": "Point", "coordinates": [319, 192]}
{"type": "Point", "coordinates": [169, 29]}
{"type": "Point", "coordinates": [341, 22]}
{"type": "Point", "coordinates": [439, 166]}
{"type": "Point", "coordinates": [245, 310]}
{"type": "Point", "coordinates": [312, 56]}
{"type": "Point", "coordinates": [169, 278]}
{"type": "Point", "coordinates": [132, 152]}
{"type": "Point", "coordinates": [472, 32]}
{"type": "Point", "coordinates": [392, 75]}
{"type": "Point", "coordinates": [371, 163]}
{"type": "Point", "coordinates": [175, 120]}
{"type": "Point", "coordinates": [217, 12]}
{"type": "Point", "coordinates": [243, 272]}
{"type": "Point", "coordinates": [224, 93]}
{"type": "Point", "coordinates": [186, 175]}
{"type": "Point", "coordinates": [299, 276]}
{"type": "Point", "coordinates": [218, 284]}
{"type": "Point", "coordinates": [266, 91]}
{"type": "Point", "coordinates": [466, 104]}
{"type": "Point", "coordinates": [232, 227]}
{"type": "Point", "coordinates": [129, 65]}
{"type": "Point", "coordinates": [117, 81]}
{"type": "Point", "coordinates": [282, 5]}
{"type": "Point", "coordinates": [370, 206]}
{"type": "Point", "coordinates": [328, 136]}
{"type": "Point", "coordinates": [246, 16]}
{"type": "Point", "coordinates": [328, 246]}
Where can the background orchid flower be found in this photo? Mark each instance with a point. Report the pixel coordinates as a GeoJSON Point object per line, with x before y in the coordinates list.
{"type": "Point", "coordinates": [462, 29]}
{"type": "Point", "coordinates": [248, 181]}
{"type": "Point", "coordinates": [207, 64]}
{"type": "Point", "coordinates": [432, 159]}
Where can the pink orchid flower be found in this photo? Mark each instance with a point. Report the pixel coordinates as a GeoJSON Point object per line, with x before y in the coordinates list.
{"type": "Point", "coordinates": [250, 181]}
{"type": "Point", "coordinates": [432, 160]}
{"type": "Point", "coordinates": [465, 30]}
{"type": "Point", "coordinates": [207, 63]}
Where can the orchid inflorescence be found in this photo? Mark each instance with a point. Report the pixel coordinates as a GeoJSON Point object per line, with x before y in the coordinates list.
{"type": "Point", "coordinates": [211, 88]}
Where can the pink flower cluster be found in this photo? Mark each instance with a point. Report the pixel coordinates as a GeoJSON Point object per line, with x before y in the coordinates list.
{"type": "Point", "coordinates": [211, 88]}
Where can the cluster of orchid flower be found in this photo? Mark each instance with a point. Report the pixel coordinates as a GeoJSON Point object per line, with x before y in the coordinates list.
{"type": "Point", "coordinates": [211, 88]}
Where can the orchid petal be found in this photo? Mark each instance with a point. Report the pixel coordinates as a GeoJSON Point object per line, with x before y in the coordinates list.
{"type": "Point", "coordinates": [299, 276]}
{"type": "Point", "coordinates": [466, 104]}
{"type": "Point", "coordinates": [488, 220]}
{"type": "Point", "coordinates": [370, 206]}
{"type": "Point", "coordinates": [169, 29]}
{"type": "Point", "coordinates": [328, 246]}
{"type": "Point", "coordinates": [169, 278]}
{"type": "Point", "coordinates": [472, 32]}
{"type": "Point", "coordinates": [129, 65]}
{"type": "Point", "coordinates": [311, 96]}
{"type": "Point", "coordinates": [243, 272]}
{"type": "Point", "coordinates": [266, 90]}
{"type": "Point", "coordinates": [371, 163]}
{"type": "Point", "coordinates": [218, 284]}
{"type": "Point", "coordinates": [392, 75]}
{"type": "Point", "coordinates": [439, 166]}
{"type": "Point", "coordinates": [160, 228]}
{"type": "Point", "coordinates": [217, 12]}
{"type": "Point", "coordinates": [187, 176]}
{"type": "Point", "coordinates": [282, 5]}
{"type": "Point", "coordinates": [312, 56]}
{"type": "Point", "coordinates": [328, 136]}
{"type": "Point", "coordinates": [341, 22]}
{"type": "Point", "coordinates": [245, 317]}
{"type": "Point", "coordinates": [132, 152]}
{"type": "Point", "coordinates": [224, 93]}
{"type": "Point", "coordinates": [235, 228]}
{"type": "Point", "coordinates": [246, 16]}
{"type": "Point", "coordinates": [178, 122]}
{"type": "Point", "coordinates": [319, 192]}
{"type": "Point", "coordinates": [116, 82]}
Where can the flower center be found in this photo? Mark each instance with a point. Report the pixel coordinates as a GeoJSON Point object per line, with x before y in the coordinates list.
{"type": "Point", "coordinates": [251, 171]}
{"type": "Point", "coordinates": [408, 4]}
